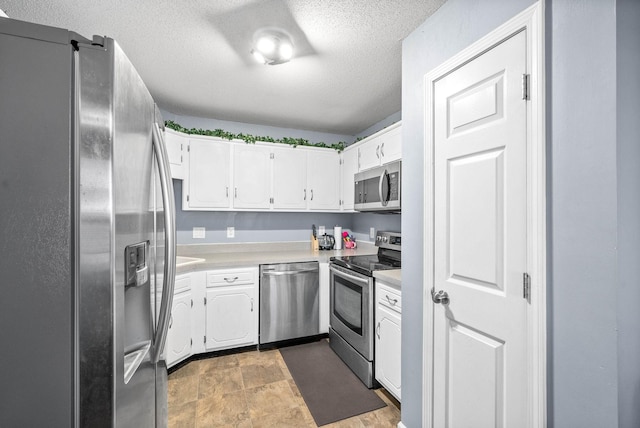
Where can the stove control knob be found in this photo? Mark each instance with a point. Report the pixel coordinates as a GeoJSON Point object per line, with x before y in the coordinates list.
{"type": "Point", "coordinates": [385, 239]}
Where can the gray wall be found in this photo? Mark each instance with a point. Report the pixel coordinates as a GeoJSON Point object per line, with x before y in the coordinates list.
{"type": "Point", "coordinates": [389, 120]}
{"type": "Point", "coordinates": [628, 108]}
{"type": "Point", "coordinates": [582, 290]}
{"type": "Point", "coordinates": [363, 222]}
{"type": "Point", "coordinates": [253, 129]}
{"type": "Point", "coordinates": [457, 24]}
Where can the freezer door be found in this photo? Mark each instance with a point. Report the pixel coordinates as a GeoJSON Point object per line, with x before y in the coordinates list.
{"type": "Point", "coordinates": [36, 250]}
{"type": "Point", "coordinates": [121, 255]}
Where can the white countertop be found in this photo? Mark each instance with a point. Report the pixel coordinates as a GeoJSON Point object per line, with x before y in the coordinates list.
{"type": "Point", "coordinates": [391, 276]}
{"type": "Point", "coordinates": [198, 257]}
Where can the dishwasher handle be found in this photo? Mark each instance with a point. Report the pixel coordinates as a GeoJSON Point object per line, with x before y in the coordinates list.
{"type": "Point", "coordinates": [288, 272]}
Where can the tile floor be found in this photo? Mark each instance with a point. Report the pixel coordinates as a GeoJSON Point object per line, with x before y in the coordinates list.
{"type": "Point", "coordinates": [251, 389]}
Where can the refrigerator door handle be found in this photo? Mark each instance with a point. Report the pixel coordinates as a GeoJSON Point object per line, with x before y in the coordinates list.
{"type": "Point", "coordinates": [169, 277]}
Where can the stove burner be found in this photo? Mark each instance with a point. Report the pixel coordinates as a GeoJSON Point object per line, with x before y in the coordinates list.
{"type": "Point", "coordinates": [368, 263]}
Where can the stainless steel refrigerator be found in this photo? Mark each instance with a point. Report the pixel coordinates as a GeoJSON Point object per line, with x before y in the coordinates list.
{"type": "Point", "coordinates": [87, 235]}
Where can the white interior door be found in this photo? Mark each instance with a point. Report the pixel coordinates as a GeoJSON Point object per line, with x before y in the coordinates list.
{"type": "Point", "coordinates": [480, 336]}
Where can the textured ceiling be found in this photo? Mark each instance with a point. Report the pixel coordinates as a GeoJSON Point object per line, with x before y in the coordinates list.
{"type": "Point", "coordinates": [194, 55]}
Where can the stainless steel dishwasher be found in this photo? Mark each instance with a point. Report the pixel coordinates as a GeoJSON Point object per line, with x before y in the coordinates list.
{"type": "Point", "coordinates": [289, 299]}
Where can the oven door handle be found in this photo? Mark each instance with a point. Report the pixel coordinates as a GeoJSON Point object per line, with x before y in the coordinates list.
{"type": "Point", "coordinates": [349, 276]}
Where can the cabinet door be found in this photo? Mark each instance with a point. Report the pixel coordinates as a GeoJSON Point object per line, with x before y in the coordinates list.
{"type": "Point", "coordinates": [231, 317]}
{"type": "Point", "coordinates": [209, 175]}
{"type": "Point", "coordinates": [176, 146]}
{"type": "Point", "coordinates": [388, 345]}
{"type": "Point", "coordinates": [179, 334]}
{"type": "Point", "coordinates": [349, 168]}
{"type": "Point", "coordinates": [289, 178]}
{"type": "Point", "coordinates": [323, 178]}
{"type": "Point", "coordinates": [251, 176]}
{"type": "Point", "coordinates": [369, 154]}
{"type": "Point", "coordinates": [391, 145]}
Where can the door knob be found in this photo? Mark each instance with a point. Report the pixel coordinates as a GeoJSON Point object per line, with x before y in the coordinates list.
{"type": "Point", "coordinates": [440, 297]}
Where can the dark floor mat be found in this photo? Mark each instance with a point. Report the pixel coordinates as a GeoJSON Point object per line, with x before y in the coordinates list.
{"type": "Point", "coordinates": [330, 389]}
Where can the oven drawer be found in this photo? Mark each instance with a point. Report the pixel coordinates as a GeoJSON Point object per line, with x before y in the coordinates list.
{"type": "Point", "coordinates": [389, 297]}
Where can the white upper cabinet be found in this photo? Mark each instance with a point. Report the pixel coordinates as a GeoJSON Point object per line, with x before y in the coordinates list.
{"type": "Point", "coordinates": [349, 168]}
{"type": "Point", "coordinates": [209, 175]}
{"type": "Point", "coordinates": [382, 147]}
{"type": "Point", "coordinates": [289, 178]}
{"type": "Point", "coordinates": [251, 176]}
{"type": "Point", "coordinates": [323, 179]}
{"type": "Point", "coordinates": [176, 148]}
{"type": "Point", "coordinates": [222, 175]}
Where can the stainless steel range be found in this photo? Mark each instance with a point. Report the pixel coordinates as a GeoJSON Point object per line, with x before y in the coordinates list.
{"type": "Point", "coordinates": [352, 303]}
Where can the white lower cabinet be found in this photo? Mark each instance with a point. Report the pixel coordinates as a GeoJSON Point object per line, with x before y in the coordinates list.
{"type": "Point", "coordinates": [231, 308]}
{"type": "Point", "coordinates": [388, 337]}
{"type": "Point", "coordinates": [179, 339]}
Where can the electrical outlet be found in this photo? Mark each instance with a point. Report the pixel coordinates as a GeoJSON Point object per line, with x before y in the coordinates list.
{"type": "Point", "coordinates": [372, 232]}
{"type": "Point", "coordinates": [198, 232]}
{"type": "Point", "coordinates": [321, 230]}
{"type": "Point", "coordinates": [231, 232]}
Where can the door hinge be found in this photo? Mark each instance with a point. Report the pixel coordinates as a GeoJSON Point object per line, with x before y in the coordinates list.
{"type": "Point", "coordinates": [525, 86]}
{"type": "Point", "coordinates": [526, 286]}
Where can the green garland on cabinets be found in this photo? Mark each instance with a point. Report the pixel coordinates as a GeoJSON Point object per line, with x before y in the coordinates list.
{"type": "Point", "coordinates": [251, 139]}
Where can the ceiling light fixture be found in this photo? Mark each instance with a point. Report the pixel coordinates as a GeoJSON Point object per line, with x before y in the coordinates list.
{"type": "Point", "coordinates": [272, 46]}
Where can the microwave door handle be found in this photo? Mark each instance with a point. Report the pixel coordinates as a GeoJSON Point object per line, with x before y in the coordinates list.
{"type": "Point", "coordinates": [384, 199]}
{"type": "Point", "coordinates": [169, 275]}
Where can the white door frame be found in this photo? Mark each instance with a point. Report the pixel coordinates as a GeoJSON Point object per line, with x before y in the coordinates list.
{"type": "Point", "coordinates": [533, 20]}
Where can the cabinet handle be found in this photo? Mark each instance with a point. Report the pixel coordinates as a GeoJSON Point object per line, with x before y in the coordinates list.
{"type": "Point", "coordinates": [378, 330]}
{"type": "Point", "coordinates": [312, 194]}
{"type": "Point", "coordinates": [252, 304]}
{"type": "Point", "coordinates": [227, 191]}
{"type": "Point", "coordinates": [231, 279]}
{"type": "Point", "coordinates": [392, 301]}
{"type": "Point", "coordinates": [378, 151]}
{"type": "Point", "coordinates": [171, 321]}
{"type": "Point", "coordinates": [236, 192]}
{"type": "Point", "coordinates": [305, 194]}
{"type": "Point", "coordinates": [382, 149]}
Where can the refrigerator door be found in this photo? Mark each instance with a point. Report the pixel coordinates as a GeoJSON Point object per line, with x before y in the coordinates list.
{"type": "Point", "coordinates": [118, 242]}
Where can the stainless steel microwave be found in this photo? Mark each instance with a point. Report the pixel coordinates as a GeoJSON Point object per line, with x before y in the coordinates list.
{"type": "Point", "coordinates": [378, 189]}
